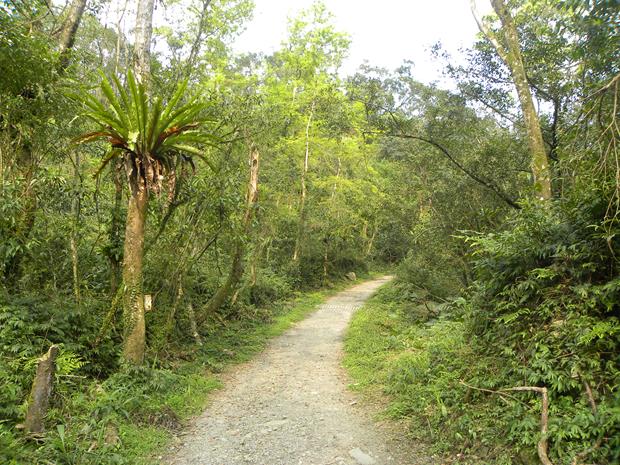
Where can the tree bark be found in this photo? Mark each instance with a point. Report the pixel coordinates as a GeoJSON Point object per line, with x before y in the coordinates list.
{"type": "Point", "coordinates": [193, 326]}
{"type": "Point", "coordinates": [512, 57]}
{"type": "Point", "coordinates": [68, 30]}
{"type": "Point", "coordinates": [133, 298]}
{"type": "Point", "coordinates": [142, 40]}
{"type": "Point", "coordinates": [303, 193]}
{"type": "Point", "coordinates": [237, 266]}
{"type": "Point", "coordinates": [75, 211]}
{"type": "Point", "coordinates": [371, 241]}
{"type": "Point", "coordinates": [42, 386]}
{"type": "Point", "coordinates": [115, 239]}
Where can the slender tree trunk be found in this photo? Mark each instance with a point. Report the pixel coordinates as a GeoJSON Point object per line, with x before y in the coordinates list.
{"type": "Point", "coordinates": [119, 38]}
{"type": "Point", "coordinates": [371, 241]}
{"type": "Point", "coordinates": [193, 326]}
{"type": "Point", "coordinates": [325, 261]}
{"type": "Point", "coordinates": [75, 210]}
{"type": "Point", "coordinates": [335, 186]}
{"type": "Point", "coordinates": [69, 29]}
{"type": "Point", "coordinates": [195, 50]}
{"type": "Point", "coordinates": [513, 58]}
{"type": "Point", "coordinates": [115, 238]}
{"type": "Point", "coordinates": [169, 327]}
{"type": "Point", "coordinates": [237, 266]}
{"type": "Point", "coordinates": [142, 43]}
{"type": "Point", "coordinates": [133, 298]}
{"type": "Point", "coordinates": [302, 197]}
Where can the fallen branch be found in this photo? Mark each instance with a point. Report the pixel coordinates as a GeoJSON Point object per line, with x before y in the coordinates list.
{"type": "Point", "coordinates": [544, 415]}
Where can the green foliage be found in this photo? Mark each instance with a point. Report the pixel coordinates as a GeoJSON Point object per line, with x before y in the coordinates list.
{"type": "Point", "coordinates": [398, 172]}
{"type": "Point", "coordinates": [546, 305]}
{"type": "Point", "coordinates": [131, 414]}
{"type": "Point", "coordinates": [151, 137]}
{"type": "Point", "coordinates": [543, 311]}
{"type": "Point", "coordinates": [269, 287]}
{"type": "Point", "coordinates": [29, 325]}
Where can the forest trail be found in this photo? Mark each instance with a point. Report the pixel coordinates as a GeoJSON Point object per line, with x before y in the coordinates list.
{"type": "Point", "coordinates": [290, 405]}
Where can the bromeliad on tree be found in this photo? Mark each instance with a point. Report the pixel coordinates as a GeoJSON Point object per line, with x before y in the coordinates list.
{"type": "Point", "coordinates": [152, 140]}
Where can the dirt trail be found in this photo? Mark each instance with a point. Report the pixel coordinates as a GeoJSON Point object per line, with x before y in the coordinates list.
{"type": "Point", "coordinates": [290, 405]}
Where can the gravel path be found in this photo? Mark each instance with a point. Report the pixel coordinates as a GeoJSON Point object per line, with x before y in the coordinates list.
{"type": "Point", "coordinates": [290, 404]}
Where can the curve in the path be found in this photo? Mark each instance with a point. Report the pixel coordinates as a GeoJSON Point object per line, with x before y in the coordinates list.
{"type": "Point", "coordinates": [290, 404]}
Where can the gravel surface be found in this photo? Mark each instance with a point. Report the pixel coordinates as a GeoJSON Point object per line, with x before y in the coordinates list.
{"type": "Point", "coordinates": [290, 404]}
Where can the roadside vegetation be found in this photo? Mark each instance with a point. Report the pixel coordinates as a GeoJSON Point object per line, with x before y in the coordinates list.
{"type": "Point", "coordinates": [158, 205]}
{"type": "Point", "coordinates": [132, 416]}
{"type": "Point", "coordinates": [499, 341]}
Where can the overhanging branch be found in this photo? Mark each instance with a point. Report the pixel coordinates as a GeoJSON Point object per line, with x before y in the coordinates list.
{"type": "Point", "coordinates": [483, 182]}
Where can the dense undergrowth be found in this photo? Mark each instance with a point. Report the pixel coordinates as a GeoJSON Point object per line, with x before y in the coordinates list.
{"type": "Point", "coordinates": [542, 312]}
{"type": "Point", "coordinates": [101, 415]}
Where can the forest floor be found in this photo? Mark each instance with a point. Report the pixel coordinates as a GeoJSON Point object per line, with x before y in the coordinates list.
{"type": "Point", "coordinates": [290, 405]}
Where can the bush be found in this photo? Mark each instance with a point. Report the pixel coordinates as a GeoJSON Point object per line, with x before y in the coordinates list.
{"type": "Point", "coordinates": [546, 305]}
{"type": "Point", "coordinates": [269, 287]}
{"type": "Point", "coordinates": [543, 311]}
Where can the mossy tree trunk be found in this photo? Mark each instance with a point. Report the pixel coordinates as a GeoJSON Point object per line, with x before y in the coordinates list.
{"type": "Point", "coordinates": [133, 298]}
{"type": "Point", "coordinates": [301, 226]}
{"type": "Point", "coordinates": [237, 266]}
{"type": "Point", "coordinates": [509, 50]}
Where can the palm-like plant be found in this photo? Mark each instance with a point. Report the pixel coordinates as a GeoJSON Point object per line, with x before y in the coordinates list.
{"type": "Point", "coordinates": [152, 140]}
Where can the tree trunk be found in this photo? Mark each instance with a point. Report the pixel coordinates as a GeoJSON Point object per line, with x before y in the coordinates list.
{"type": "Point", "coordinates": [115, 238]}
{"type": "Point", "coordinates": [42, 385]}
{"type": "Point", "coordinates": [75, 211]}
{"type": "Point", "coordinates": [142, 41]}
{"type": "Point", "coordinates": [371, 241]}
{"type": "Point", "coordinates": [193, 326]}
{"type": "Point", "coordinates": [68, 30]}
{"type": "Point", "coordinates": [302, 197]}
{"type": "Point", "coordinates": [512, 57]}
{"type": "Point", "coordinates": [169, 326]}
{"type": "Point", "coordinates": [133, 298]}
{"type": "Point", "coordinates": [325, 261]}
{"type": "Point", "coordinates": [237, 267]}
{"type": "Point", "coordinates": [119, 38]}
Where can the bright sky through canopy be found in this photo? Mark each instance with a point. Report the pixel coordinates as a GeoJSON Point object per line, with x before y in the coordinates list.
{"type": "Point", "coordinates": [384, 33]}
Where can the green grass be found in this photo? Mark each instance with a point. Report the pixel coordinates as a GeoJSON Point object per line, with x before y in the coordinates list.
{"type": "Point", "coordinates": [131, 417]}
{"type": "Point", "coordinates": [412, 363]}
{"type": "Point", "coordinates": [234, 343]}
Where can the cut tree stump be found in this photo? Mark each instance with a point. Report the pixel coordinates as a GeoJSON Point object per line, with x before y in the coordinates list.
{"type": "Point", "coordinates": [42, 385]}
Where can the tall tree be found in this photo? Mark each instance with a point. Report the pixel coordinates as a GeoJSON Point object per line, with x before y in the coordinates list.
{"type": "Point", "coordinates": [150, 140]}
{"type": "Point", "coordinates": [69, 29]}
{"type": "Point", "coordinates": [237, 266]}
{"type": "Point", "coordinates": [509, 50]}
{"type": "Point", "coordinates": [307, 68]}
{"type": "Point", "coordinates": [142, 40]}
{"type": "Point", "coordinates": [134, 330]}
